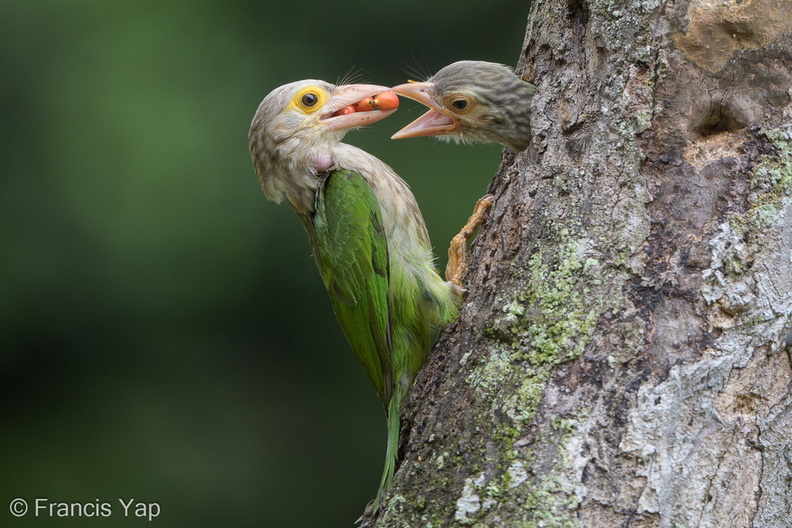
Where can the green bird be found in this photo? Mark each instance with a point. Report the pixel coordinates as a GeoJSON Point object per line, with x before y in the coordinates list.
{"type": "Point", "coordinates": [474, 102]}
{"type": "Point", "coordinates": [367, 234]}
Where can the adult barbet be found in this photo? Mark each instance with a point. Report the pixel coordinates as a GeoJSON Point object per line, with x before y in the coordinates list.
{"type": "Point", "coordinates": [367, 234]}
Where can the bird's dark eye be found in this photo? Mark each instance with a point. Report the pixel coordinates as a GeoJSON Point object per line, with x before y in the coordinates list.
{"type": "Point", "coordinates": [310, 99]}
{"type": "Point", "coordinates": [459, 104]}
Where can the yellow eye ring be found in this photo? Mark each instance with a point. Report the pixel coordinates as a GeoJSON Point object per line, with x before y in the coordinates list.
{"type": "Point", "coordinates": [309, 99]}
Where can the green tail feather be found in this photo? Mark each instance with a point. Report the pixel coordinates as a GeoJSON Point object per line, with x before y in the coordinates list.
{"type": "Point", "coordinates": [394, 424]}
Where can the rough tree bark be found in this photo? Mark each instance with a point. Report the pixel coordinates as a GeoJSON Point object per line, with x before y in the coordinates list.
{"type": "Point", "coordinates": [623, 358]}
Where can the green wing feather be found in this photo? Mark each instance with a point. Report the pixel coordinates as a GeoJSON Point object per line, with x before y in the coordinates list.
{"type": "Point", "coordinates": [351, 252]}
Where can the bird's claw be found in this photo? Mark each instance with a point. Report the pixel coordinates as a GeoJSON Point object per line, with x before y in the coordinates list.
{"type": "Point", "coordinates": [460, 291]}
{"type": "Point", "coordinates": [457, 251]}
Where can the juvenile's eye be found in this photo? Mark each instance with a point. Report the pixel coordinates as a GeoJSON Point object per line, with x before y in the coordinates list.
{"type": "Point", "coordinates": [459, 104]}
{"type": "Point", "coordinates": [310, 99]}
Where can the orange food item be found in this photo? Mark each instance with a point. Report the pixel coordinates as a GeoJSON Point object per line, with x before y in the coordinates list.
{"type": "Point", "coordinates": [366, 105]}
{"type": "Point", "coordinates": [386, 101]}
{"type": "Point", "coordinates": [346, 110]}
{"type": "Point", "coordinates": [382, 101]}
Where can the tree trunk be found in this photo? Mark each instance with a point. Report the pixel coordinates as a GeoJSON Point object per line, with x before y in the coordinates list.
{"type": "Point", "coordinates": [623, 356]}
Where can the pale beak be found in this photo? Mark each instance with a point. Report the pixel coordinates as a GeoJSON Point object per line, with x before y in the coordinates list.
{"type": "Point", "coordinates": [350, 95]}
{"type": "Point", "coordinates": [435, 122]}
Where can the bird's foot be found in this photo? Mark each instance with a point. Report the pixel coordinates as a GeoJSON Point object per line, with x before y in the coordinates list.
{"type": "Point", "coordinates": [457, 252]}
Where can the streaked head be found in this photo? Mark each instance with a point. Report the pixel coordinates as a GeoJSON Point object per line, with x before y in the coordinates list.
{"type": "Point", "coordinates": [294, 130]}
{"type": "Point", "coordinates": [472, 101]}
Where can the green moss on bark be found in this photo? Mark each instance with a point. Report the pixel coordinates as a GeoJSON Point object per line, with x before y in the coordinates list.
{"type": "Point", "coordinates": [771, 183]}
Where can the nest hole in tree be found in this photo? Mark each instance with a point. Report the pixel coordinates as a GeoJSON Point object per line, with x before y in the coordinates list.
{"type": "Point", "coordinates": [720, 117]}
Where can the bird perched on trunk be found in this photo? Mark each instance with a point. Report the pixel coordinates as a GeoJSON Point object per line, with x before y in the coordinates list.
{"type": "Point", "coordinates": [472, 101]}
{"type": "Point", "coordinates": [367, 234]}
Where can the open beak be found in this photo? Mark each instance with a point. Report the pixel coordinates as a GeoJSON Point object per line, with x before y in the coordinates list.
{"type": "Point", "coordinates": [435, 122]}
{"type": "Point", "coordinates": [341, 112]}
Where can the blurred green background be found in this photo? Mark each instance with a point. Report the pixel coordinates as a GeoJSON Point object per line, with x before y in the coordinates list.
{"type": "Point", "coordinates": [164, 335]}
